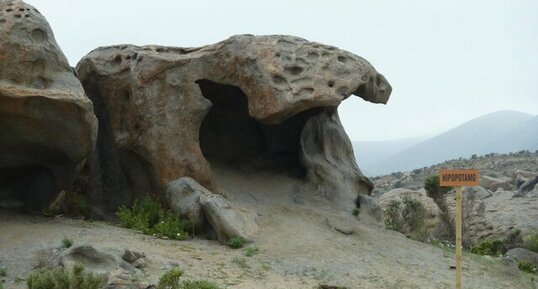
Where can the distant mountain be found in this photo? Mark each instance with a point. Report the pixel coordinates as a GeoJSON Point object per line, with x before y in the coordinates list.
{"type": "Point", "coordinates": [369, 153]}
{"type": "Point", "coordinates": [499, 132]}
{"type": "Point", "coordinates": [524, 136]}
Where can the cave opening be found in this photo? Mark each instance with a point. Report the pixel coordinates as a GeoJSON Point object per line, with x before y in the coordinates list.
{"type": "Point", "coordinates": [27, 188]}
{"type": "Point", "coordinates": [229, 136]}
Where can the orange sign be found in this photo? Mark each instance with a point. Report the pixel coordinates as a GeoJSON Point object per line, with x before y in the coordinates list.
{"type": "Point", "coordinates": [459, 178]}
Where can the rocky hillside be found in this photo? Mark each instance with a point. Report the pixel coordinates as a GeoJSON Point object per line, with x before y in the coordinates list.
{"type": "Point", "coordinates": [493, 165]}
{"type": "Point", "coordinates": [503, 206]}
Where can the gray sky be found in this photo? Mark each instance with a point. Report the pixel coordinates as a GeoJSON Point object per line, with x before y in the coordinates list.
{"type": "Point", "coordinates": [447, 61]}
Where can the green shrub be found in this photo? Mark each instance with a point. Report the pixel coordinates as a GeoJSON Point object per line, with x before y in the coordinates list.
{"type": "Point", "coordinates": [356, 211]}
{"type": "Point", "coordinates": [446, 227]}
{"type": "Point", "coordinates": [149, 217]}
{"type": "Point", "coordinates": [527, 267]}
{"type": "Point", "coordinates": [172, 280]}
{"type": "Point", "coordinates": [413, 213]}
{"type": "Point", "coordinates": [251, 251]}
{"type": "Point", "coordinates": [236, 243]}
{"type": "Point", "coordinates": [3, 272]}
{"type": "Point", "coordinates": [393, 218]}
{"type": "Point", "coordinates": [67, 243]}
{"type": "Point", "coordinates": [488, 247]}
{"type": "Point", "coordinates": [433, 190]}
{"type": "Point", "coordinates": [530, 242]}
{"type": "Point", "coordinates": [59, 278]}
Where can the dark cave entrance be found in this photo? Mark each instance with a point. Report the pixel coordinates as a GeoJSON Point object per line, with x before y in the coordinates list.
{"type": "Point", "coordinates": [27, 188]}
{"type": "Point", "coordinates": [230, 136]}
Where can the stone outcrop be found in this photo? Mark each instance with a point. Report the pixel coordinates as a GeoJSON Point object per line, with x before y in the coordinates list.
{"type": "Point", "coordinates": [47, 126]}
{"type": "Point", "coordinates": [257, 102]}
{"type": "Point", "coordinates": [493, 184]}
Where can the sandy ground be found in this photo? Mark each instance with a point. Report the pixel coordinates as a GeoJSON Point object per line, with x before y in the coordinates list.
{"type": "Point", "coordinates": [297, 250]}
{"type": "Point", "coordinates": [297, 247]}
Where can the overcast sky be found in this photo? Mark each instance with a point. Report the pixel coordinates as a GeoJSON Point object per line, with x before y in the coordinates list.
{"type": "Point", "coordinates": [447, 61]}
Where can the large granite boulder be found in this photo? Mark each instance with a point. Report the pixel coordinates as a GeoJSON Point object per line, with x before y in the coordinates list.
{"type": "Point", "coordinates": [399, 194]}
{"type": "Point", "coordinates": [48, 128]}
{"type": "Point", "coordinates": [249, 103]}
{"type": "Point", "coordinates": [263, 102]}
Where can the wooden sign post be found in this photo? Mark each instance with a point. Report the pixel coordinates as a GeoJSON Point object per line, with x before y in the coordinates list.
{"type": "Point", "coordinates": [458, 179]}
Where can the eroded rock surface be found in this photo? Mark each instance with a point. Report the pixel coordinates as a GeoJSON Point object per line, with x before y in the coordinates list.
{"type": "Point", "coordinates": [47, 126]}
{"type": "Point", "coordinates": [248, 102]}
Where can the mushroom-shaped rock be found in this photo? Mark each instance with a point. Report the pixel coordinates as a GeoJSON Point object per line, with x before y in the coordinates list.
{"type": "Point", "coordinates": [47, 125]}
{"type": "Point", "coordinates": [262, 102]}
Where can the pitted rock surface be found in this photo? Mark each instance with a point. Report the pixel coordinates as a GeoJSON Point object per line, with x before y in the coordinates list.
{"type": "Point", "coordinates": [166, 113]}
{"type": "Point", "coordinates": [48, 127]}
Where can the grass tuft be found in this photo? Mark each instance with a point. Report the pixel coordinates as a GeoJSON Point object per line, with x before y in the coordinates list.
{"type": "Point", "coordinates": [236, 243]}
{"type": "Point", "coordinates": [59, 278]}
{"type": "Point", "coordinates": [171, 279]}
{"type": "Point", "coordinates": [251, 251]}
{"type": "Point", "coordinates": [67, 243]}
{"type": "Point", "coordinates": [149, 217]}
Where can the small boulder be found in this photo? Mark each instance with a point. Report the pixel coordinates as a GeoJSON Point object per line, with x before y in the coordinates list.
{"type": "Point", "coordinates": [224, 220]}
{"type": "Point", "coordinates": [131, 256]}
{"type": "Point", "coordinates": [184, 196]}
{"type": "Point", "coordinates": [529, 185]}
{"type": "Point", "coordinates": [522, 254]}
{"type": "Point", "coordinates": [92, 259]}
{"type": "Point", "coordinates": [476, 193]}
{"type": "Point", "coordinates": [493, 184]}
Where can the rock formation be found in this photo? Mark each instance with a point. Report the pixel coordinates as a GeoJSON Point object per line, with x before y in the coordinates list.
{"type": "Point", "coordinates": [47, 126]}
{"type": "Point", "coordinates": [255, 103]}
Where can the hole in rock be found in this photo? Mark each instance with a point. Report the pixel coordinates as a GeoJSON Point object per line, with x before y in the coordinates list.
{"type": "Point", "coordinates": [30, 187]}
{"type": "Point", "coordinates": [231, 138]}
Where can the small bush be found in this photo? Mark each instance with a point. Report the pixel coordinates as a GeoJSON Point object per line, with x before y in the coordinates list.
{"type": "Point", "coordinates": [251, 251]}
{"type": "Point", "coordinates": [3, 272]}
{"type": "Point", "coordinates": [67, 243]}
{"type": "Point", "coordinates": [393, 217]}
{"type": "Point", "coordinates": [527, 267]}
{"type": "Point", "coordinates": [433, 190]}
{"type": "Point", "coordinates": [488, 247]}
{"type": "Point", "coordinates": [58, 278]}
{"type": "Point", "coordinates": [236, 243]}
{"type": "Point", "coordinates": [446, 227]}
{"type": "Point", "coordinates": [356, 211]}
{"type": "Point", "coordinates": [530, 242]}
{"type": "Point", "coordinates": [172, 280]}
{"type": "Point", "coordinates": [150, 218]}
{"type": "Point", "coordinates": [413, 213]}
